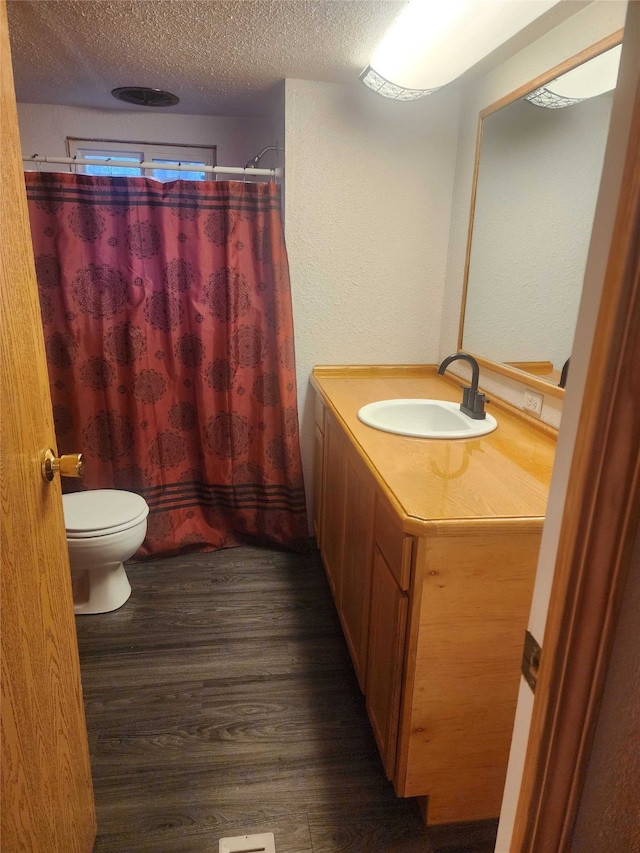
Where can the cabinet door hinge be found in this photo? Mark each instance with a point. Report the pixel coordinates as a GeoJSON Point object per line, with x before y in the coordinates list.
{"type": "Point", "coordinates": [531, 660]}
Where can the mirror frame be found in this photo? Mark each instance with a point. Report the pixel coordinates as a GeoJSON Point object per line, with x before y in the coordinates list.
{"type": "Point", "coordinates": [585, 55]}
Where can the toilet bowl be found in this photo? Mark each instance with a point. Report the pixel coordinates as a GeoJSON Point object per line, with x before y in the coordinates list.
{"type": "Point", "coordinates": [104, 528]}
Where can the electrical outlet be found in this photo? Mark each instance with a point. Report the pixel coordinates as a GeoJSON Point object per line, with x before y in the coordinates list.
{"type": "Point", "coordinates": [533, 402]}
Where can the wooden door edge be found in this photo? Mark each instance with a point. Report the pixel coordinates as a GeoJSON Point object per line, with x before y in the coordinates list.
{"type": "Point", "coordinates": [599, 527]}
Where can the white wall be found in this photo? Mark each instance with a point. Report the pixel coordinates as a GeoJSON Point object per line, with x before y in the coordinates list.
{"type": "Point", "coordinates": [583, 29]}
{"type": "Point", "coordinates": [369, 186]}
{"type": "Point", "coordinates": [45, 127]}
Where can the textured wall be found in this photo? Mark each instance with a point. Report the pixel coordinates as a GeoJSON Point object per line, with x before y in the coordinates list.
{"type": "Point", "coordinates": [578, 32]}
{"type": "Point", "coordinates": [45, 127]}
{"type": "Point", "coordinates": [609, 816]}
{"type": "Point", "coordinates": [369, 187]}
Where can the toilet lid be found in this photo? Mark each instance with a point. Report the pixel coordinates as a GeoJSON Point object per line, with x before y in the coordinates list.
{"type": "Point", "coordinates": [102, 511]}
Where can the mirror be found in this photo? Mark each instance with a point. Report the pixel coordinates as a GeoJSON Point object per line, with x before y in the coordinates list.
{"type": "Point", "coordinates": [535, 189]}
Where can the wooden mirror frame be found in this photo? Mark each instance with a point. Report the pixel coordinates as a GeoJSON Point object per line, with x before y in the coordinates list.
{"type": "Point", "coordinates": [585, 55]}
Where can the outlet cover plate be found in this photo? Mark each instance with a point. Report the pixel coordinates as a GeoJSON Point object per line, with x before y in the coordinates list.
{"type": "Point", "coordinates": [533, 402]}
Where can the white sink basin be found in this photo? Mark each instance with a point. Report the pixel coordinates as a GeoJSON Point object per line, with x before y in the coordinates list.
{"type": "Point", "coordinates": [424, 419]}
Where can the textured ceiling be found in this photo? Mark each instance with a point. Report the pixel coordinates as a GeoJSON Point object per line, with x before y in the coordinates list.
{"type": "Point", "coordinates": [221, 57]}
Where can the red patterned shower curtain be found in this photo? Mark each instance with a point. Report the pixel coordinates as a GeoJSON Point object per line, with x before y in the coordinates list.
{"type": "Point", "coordinates": [169, 341]}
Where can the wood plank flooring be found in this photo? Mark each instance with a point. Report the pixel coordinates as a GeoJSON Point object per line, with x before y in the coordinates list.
{"type": "Point", "coordinates": [221, 701]}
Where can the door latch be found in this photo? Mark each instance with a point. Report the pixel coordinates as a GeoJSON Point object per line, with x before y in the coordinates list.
{"type": "Point", "coordinates": [531, 660]}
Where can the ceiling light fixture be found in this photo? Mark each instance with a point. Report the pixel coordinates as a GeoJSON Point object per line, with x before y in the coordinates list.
{"type": "Point", "coordinates": [592, 78]}
{"type": "Point", "coordinates": [434, 41]}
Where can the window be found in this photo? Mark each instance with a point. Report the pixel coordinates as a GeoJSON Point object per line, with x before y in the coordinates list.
{"type": "Point", "coordinates": [120, 154]}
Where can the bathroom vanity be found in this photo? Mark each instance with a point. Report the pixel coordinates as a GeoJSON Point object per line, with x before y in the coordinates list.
{"type": "Point", "coordinates": [430, 547]}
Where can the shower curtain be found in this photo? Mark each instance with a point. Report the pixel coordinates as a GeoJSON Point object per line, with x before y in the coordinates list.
{"type": "Point", "coordinates": [169, 341]}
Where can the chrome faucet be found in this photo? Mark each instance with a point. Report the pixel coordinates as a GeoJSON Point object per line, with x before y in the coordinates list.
{"type": "Point", "coordinates": [472, 400]}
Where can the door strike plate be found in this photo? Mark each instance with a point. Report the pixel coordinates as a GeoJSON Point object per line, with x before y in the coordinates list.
{"type": "Point", "coordinates": [531, 660]}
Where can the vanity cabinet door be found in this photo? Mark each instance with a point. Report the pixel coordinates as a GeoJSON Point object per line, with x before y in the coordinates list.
{"type": "Point", "coordinates": [318, 453]}
{"type": "Point", "coordinates": [318, 465]}
{"type": "Point", "coordinates": [353, 596]}
{"type": "Point", "coordinates": [387, 631]}
{"type": "Point", "coordinates": [333, 502]}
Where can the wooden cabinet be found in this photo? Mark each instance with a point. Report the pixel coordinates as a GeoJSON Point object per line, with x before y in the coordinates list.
{"type": "Point", "coordinates": [385, 659]}
{"type": "Point", "coordinates": [318, 462]}
{"type": "Point", "coordinates": [355, 584]}
{"type": "Point", "coordinates": [392, 557]}
{"type": "Point", "coordinates": [318, 453]}
{"type": "Point", "coordinates": [367, 558]}
{"type": "Point", "coordinates": [345, 537]}
{"type": "Point", "coordinates": [469, 598]}
{"type": "Point", "coordinates": [434, 613]}
{"type": "Point", "coordinates": [332, 489]}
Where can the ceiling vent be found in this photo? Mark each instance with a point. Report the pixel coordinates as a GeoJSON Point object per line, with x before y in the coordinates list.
{"type": "Point", "coordinates": [142, 96]}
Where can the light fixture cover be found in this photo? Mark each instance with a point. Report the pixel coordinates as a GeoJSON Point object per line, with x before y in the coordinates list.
{"type": "Point", "coordinates": [434, 41]}
{"type": "Point", "coordinates": [592, 78]}
{"type": "Point", "coordinates": [543, 97]}
{"type": "Point", "coordinates": [377, 82]}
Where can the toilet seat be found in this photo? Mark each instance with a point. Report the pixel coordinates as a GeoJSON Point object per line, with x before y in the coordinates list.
{"type": "Point", "coordinates": [102, 512]}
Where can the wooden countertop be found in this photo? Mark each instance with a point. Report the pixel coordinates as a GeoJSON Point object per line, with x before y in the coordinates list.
{"type": "Point", "coordinates": [504, 475]}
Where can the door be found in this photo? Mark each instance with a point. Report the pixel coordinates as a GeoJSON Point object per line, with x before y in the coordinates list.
{"type": "Point", "coordinates": [47, 795]}
{"type": "Point", "coordinates": [596, 494]}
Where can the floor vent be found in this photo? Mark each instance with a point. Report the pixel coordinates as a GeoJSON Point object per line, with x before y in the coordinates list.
{"type": "Point", "coordinates": [263, 843]}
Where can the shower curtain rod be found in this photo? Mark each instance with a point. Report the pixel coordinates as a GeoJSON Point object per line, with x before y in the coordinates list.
{"type": "Point", "coordinates": [228, 170]}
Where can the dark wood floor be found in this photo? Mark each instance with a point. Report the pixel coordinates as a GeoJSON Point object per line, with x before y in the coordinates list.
{"type": "Point", "coordinates": [221, 701]}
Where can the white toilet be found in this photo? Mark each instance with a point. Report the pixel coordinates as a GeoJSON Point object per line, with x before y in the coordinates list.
{"type": "Point", "coordinates": [104, 528]}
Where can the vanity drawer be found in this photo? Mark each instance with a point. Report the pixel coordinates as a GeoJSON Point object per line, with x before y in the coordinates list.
{"type": "Point", "coordinates": [395, 546]}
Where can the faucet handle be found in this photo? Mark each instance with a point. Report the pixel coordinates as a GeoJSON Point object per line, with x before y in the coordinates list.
{"type": "Point", "coordinates": [466, 393]}
{"type": "Point", "coordinates": [478, 403]}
